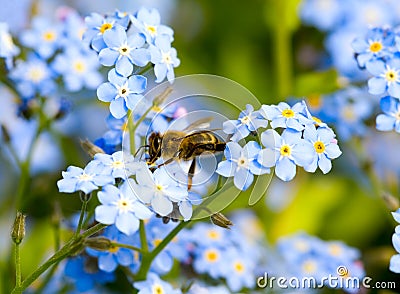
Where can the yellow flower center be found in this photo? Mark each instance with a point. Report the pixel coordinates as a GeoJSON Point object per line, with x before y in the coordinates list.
{"type": "Point", "coordinates": [397, 115]}
{"type": "Point", "coordinates": [124, 50]}
{"type": "Point", "coordinates": [49, 36]}
{"type": "Point", "coordinates": [301, 246]}
{"type": "Point", "coordinates": [242, 162]}
{"type": "Point", "coordinates": [286, 150]}
{"type": "Point", "coordinates": [211, 255]}
{"type": "Point", "coordinates": [239, 267]}
{"type": "Point", "coordinates": [152, 30]}
{"type": "Point", "coordinates": [245, 120]}
{"type": "Point", "coordinates": [105, 26]}
{"type": "Point", "coordinates": [319, 147]}
{"type": "Point", "coordinates": [157, 289]}
{"type": "Point", "coordinates": [117, 164]}
{"type": "Point", "coordinates": [348, 113]}
{"type": "Point", "coordinates": [156, 108]}
{"type": "Point", "coordinates": [166, 58]}
{"type": "Point", "coordinates": [123, 205]}
{"type": "Point", "coordinates": [79, 66]}
{"type": "Point", "coordinates": [123, 91]}
{"type": "Point", "coordinates": [85, 177]}
{"type": "Point", "coordinates": [335, 249]}
{"type": "Point", "coordinates": [314, 101]}
{"type": "Point", "coordinates": [214, 235]}
{"type": "Point", "coordinates": [36, 74]}
{"type": "Point", "coordinates": [113, 249]}
{"type": "Point", "coordinates": [375, 46]}
{"type": "Point", "coordinates": [391, 75]}
{"type": "Point", "coordinates": [287, 113]}
{"type": "Point", "coordinates": [309, 267]}
{"type": "Point", "coordinates": [159, 187]}
{"type": "Point", "coordinates": [317, 121]}
{"type": "Point", "coordinates": [7, 41]}
{"type": "Point", "coordinates": [156, 242]}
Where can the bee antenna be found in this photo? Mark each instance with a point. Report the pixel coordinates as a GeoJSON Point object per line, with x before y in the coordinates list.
{"type": "Point", "coordinates": [143, 146]}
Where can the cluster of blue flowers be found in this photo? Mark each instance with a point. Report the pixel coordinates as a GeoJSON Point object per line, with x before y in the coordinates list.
{"type": "Point", "coordinates": [128, 43]}
{"type": "Point", "coordinates": [342, 21]}
{"type": "Point", "coordinates": [235, 256]}
{"type": "Point", "coordinates": [309, 256]}
{"type": "Point", "coordinates": [304, 141]}
{"type": "Point", "coordinates": [395, 260]}
{"type": "Point", "coordinates": [378, 52]}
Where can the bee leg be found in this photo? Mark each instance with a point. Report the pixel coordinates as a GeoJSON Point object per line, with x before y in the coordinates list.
{"type": "Point", "coordinates": [192, 168]}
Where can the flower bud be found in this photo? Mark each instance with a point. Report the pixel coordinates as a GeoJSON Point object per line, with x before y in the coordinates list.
{"type": "Point", "coordinates": [98, 243]}
{"type": "Point", "coordinates": [90, 148]}
{"type": "Point", "coordinates": [18, 229]}
{"type": "Point", "coordinates": [221, 220]}
{"type": "Point", "coordinates": [392, 203]}
{"type": "Point", "coordinates": [6, 134]}
{"type": "Point", "coordinates": [159, 99]}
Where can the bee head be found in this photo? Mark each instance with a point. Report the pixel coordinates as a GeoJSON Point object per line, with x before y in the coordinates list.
{"type": "Point", "coordinates": [155, 141]}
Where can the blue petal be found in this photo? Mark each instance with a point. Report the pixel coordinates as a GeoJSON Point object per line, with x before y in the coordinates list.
{"type": "Point", "coordinates": [385, 122]}
{"type": "Point", "coordinates": [124, 257]}
{"type": "Point", "coordinates": [108, 57]}
{"type": "Point", "coordinates": [394, 89]}
{"type": "Point", "coordinates": [118, 108]}
{"type": "Point", "coordinates": [395, 264]}
{"type": "Point", "coordinates": [243, 179]}
{"type": "Point", "coordinates": [67, 185]}
{"type": "Point", "coordinates": [185, 208]}
{"type": "Point", "coordinates": [127, 223]}
{"type": "Point", "coordinates": [270, 139]}
{"type": "Point", "coordinates": [232, 151]}
{"type": "Point", "coordinates": [285, 169]}
{"type": "Point", "coordinates": [226, 168]}
{"type": "Point", "coordinates": [106, 92]}
{"type": "Point", "coordinates": [106, 214]}
{"type": "Point", "coordinates": [376, 85]}
{"type": "Point", "coordinates": [109, 195]}
{"type": "Point", "coordinates": [389, 105]}
{"type": "Point", "coordinates": [161, 205]}
{"type": "Point", "coordinates": [123, 66]}
{"type": "Point", "coordinates": [107, 263]}
{"type": "Point", "coordinates": [332, 151]}
{"type": "Point", "coordinates": [376, 67]}
{"type": "Point", "coordinates": [396, 215]}
{"type": "Point", "coordinates": [137, 84]}
{"type": "Point", "coordinates": [325, 165]}
{"type": "Point", "coordinates": [268, 157]}
{"type": "Point", "coordinates": [396, 242]}
{"type": "Point", "coordinates": [160, 70]}
{"type": "Point", "coordinates": [141, 56]}
{"type": "Point", "coordinates": [115, 37]}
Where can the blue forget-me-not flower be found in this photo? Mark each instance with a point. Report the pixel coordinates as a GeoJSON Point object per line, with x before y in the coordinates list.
{"type": "Point", "coordinates": [123, 93]}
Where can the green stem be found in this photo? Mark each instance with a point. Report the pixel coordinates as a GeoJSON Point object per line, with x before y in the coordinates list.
{"type": "Point", "coordinates": [73, 246]}
{"type": "Point", "coordinates": [25, 169]}
{"type": "Point", "coordinates": [80, 223]}
{"type": "Point", "coordinates": [282, 53]}
{"type": "Point", "coordinates": [147, 259]}
{"type": "Point", "coordinates": [93, 230]}
{"type": "Point", "coordinates": [47, 279]}
{"type": "Point", "coordinates": [17, 266]}
{"type": "Point", "coordinates": [127, 246]}
{"type": "Point", "coordinates": [143, 239]}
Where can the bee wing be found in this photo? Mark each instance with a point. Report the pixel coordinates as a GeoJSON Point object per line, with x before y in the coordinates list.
{"type": "Point", "coordinates": [199, 124]}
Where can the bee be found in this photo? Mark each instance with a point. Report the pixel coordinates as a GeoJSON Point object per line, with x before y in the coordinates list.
{"type": "Point", "coordinates": [184, 145]}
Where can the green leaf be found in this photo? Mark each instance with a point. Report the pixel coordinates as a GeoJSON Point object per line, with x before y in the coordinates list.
{"type": "Point", "coordinates": [316, 83]}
